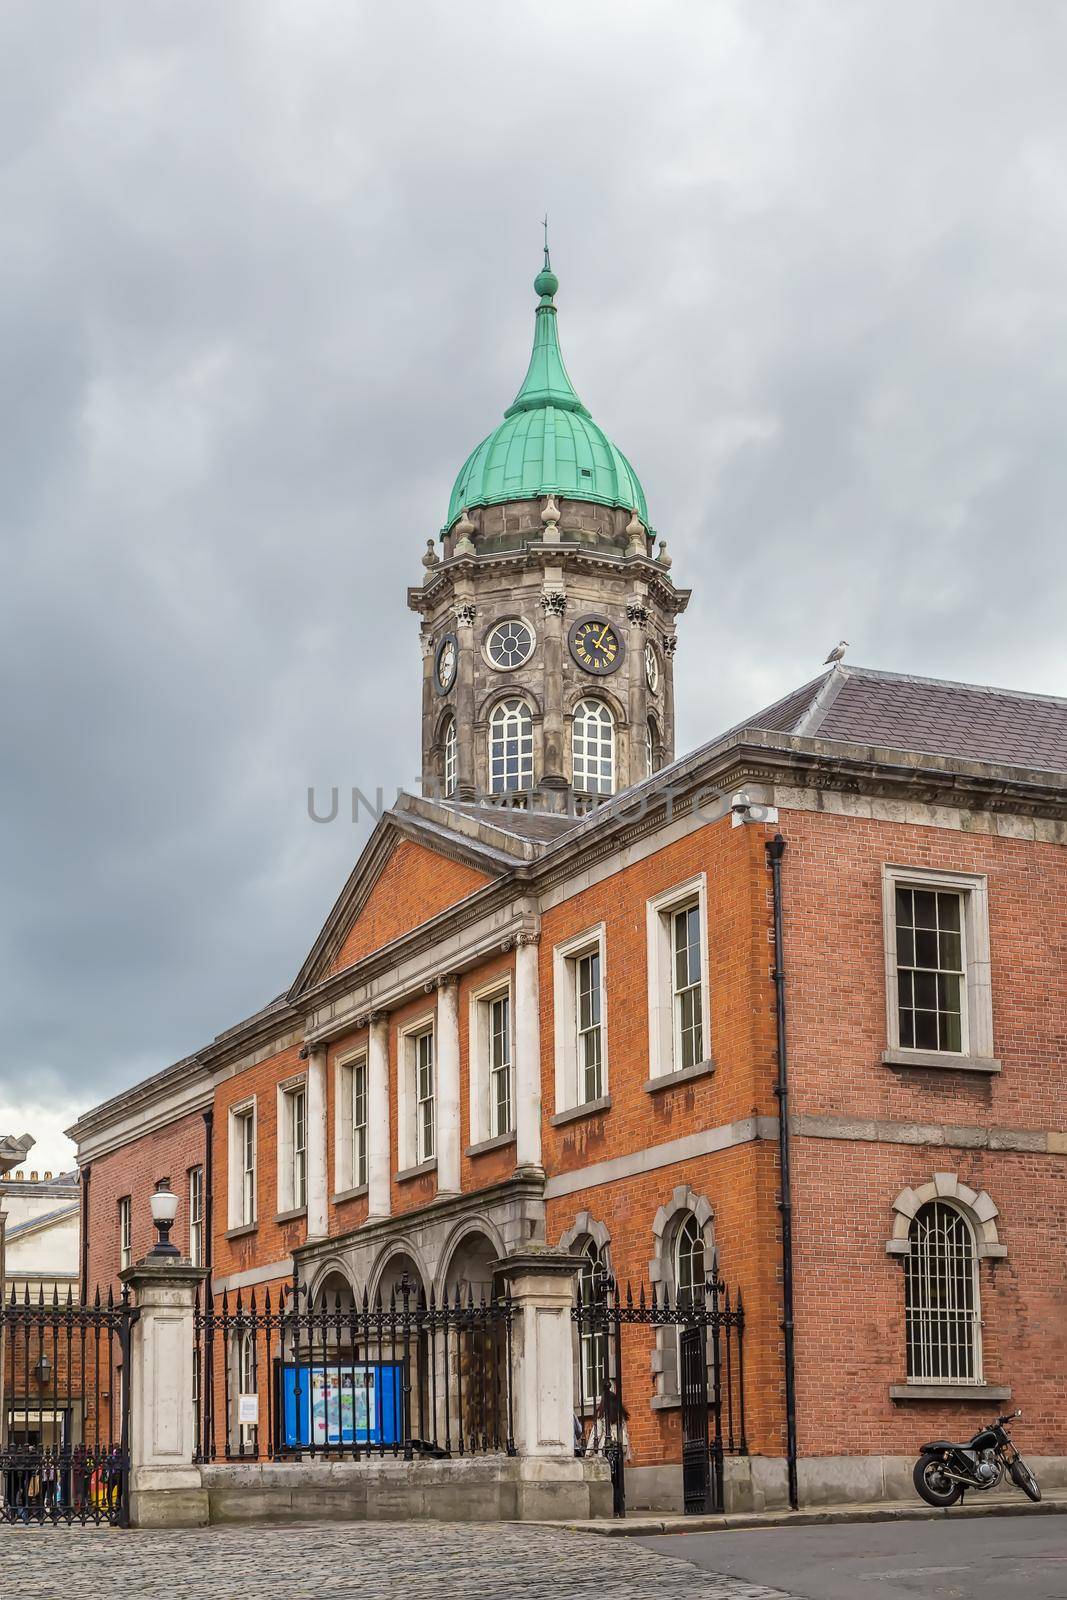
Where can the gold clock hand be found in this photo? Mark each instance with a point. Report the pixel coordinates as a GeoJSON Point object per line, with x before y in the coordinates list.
{"type": "Point", "coordinates": [603, 631]}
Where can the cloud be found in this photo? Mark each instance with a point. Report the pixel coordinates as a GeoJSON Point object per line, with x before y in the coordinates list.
{"type": "Point", "coordinates": [266, 280]}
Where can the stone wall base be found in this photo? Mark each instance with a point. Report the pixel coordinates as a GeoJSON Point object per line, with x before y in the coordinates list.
{"type": "Point", "coordinates": [480, 1489]}
{"type": "Point", "coordinates": [758, 1483]}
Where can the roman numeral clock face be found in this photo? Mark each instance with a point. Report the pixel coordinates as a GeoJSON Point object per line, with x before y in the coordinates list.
{"type": "Point", "coordinates": [595, 645]}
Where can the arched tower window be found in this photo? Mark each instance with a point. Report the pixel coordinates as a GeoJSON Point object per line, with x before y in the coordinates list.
{"type": "Point", "coordinates": [510, 747]}
{"type": "Point", "coordinates": [592, 1337]}
{"type": "Point", "coordinates": [651, 746]}
{"type": "Point", "coordinates": [593, 748]}
{"type": "Point", "coordinates": [941, 1305]}
{"type": "Point", "coordinates": [450, 757]}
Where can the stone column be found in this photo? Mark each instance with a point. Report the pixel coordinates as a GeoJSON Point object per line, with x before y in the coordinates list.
{"type": "Point", "coordinates": [527, 1053]}
{"type": "Point", "coordinates": [446, 1041]}
{"type": "Point", "coordinates": [466, 773]}
{"type": "Point", "coordinates": [430, 779]}
{"type": "Point", "coordinates": [318, 1178]}
{"type": "Point", "coordinates": [165, 1486]}
{"type": "Point", "coordinates": [542, 1283]}
{"type": "Point", "coordinates": [637, 709]}
{"type": "Point", "coordinates": [553, 754]}
{"type": "Point", "coordinates": [379, 1147]}
{"type": "Point", "coordinates": [670, 645]}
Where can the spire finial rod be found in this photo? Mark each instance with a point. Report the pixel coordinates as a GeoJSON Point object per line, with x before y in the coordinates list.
{"type": "Point", "coordinates": [548, 262]}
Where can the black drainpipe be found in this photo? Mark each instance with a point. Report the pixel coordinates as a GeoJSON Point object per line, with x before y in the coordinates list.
{"type": "Point", "coordinates": [86, 1174]}
{"type": "Point", "coordinates": [775, 851]}
{"type": "Point", "coordinates": [209, 1123]}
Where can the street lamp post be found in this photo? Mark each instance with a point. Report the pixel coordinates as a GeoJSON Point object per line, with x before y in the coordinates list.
{"type": "Point", "coordinates": [164, 1203]}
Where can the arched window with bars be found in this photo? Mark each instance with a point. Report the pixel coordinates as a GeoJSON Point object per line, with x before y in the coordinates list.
{"type": "Point", "coordinates": [689, 1262]}
{"type": "Point", "coordinates": [510, 747]}
{"type": "Point", "coordinates": [941, 1300]}
{"type": "Point", "coordinates": [593, 748]}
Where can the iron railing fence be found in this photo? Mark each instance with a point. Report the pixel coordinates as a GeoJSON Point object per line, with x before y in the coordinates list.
{"type": "Point", "coordinates": [706, 1355]}
{"type": "Point", "coordinates": [64, 1428]}
{"type": "Point", "coordinates": [405, 1376]}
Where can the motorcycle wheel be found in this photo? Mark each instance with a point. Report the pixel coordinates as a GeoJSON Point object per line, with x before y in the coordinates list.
{"type": "Point", "coordinates": [931, 1484]}
{"type": "Point", "coordinates": [1024, 1479]}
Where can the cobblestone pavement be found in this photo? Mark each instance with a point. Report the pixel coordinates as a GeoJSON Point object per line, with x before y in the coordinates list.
{"type": "Point", "coordinates": [372, 1560]}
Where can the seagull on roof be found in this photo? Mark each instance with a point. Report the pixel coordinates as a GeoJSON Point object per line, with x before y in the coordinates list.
{"type": "Point", "coordinates": [837, 653]}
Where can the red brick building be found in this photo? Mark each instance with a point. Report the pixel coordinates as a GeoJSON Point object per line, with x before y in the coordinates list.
{"type": "Point", "coordinates": [543, 1007]}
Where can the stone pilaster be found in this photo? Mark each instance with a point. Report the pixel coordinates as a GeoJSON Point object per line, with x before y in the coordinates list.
{"type": "Point", "coordinates": [318, 1179]}
{"type": "Point", "coordinates": [527, 1053]}
{"type": "Point", "coordinates": [466, 773]}
{"type": "Point", "coordinates": [379, 1147]}
{"type": "Point", "coordinates": [449, 1137]}
{"type": "Point", "coordinates": [165, 1485]}
{"type": "Point", "coordinates": [542, 1283]}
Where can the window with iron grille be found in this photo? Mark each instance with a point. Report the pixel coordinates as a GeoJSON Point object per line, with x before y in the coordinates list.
{"type": "Point", "coordinates": [593, 748]}
{"type": "Point", "coordinates": [941, 1303]}
{"type": "Point", "coordinates": [688, 1000]}
{"type": "Point", "coordinates": [592, 1340]}
{"type": "Point", "coordinates": [510, 747]}
{"type": "Point", "coordinates": [125, 1233]}
{"type": "Point", "coordinates": [931, 972]}
{"type": "Point", "coordinates": [196, 1216]}
{"type": "Point", "coordinates": [689, 1262]}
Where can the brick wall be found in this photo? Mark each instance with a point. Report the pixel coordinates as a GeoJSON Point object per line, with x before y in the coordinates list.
{"type": "Point", "coordinates": [414, 886]}
{"type": "Point", "coordinates": [135, 1170]}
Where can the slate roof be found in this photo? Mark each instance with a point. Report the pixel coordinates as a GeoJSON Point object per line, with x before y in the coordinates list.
{"type": "Point", "coordinates": [930, 715]}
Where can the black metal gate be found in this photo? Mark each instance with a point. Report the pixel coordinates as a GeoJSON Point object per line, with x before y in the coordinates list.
{"type": "Point", "coordinates": [64, 1410]}
{"type": "Point", "coordinates": [707, 1333]}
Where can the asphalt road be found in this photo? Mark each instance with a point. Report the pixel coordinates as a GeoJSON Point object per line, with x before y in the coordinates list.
{"type": "Point", "coordinates": [984, 1558]}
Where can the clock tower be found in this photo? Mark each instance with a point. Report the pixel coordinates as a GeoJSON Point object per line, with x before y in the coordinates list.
{"type": "Point", "coordinates": [548, 613]}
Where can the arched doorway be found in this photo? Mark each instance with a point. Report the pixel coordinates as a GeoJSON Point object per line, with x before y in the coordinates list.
{"type": "Point", "coordinates": [476, 1367]}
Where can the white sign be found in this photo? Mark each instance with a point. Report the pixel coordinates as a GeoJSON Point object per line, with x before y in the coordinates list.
{"type": "Point", "coordinates": [248, 1408]}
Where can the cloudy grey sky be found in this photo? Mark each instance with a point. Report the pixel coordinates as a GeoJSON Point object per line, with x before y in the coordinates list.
{"type": "Point", "coordinates": [265, 280]}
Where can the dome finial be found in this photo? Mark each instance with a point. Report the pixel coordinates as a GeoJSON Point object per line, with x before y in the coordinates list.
{"type": "Point", "coordinates": [546, 283]}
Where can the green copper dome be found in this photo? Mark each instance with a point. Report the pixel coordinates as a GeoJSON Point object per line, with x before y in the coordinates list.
{"type": "Point", "coordinates": [547, 443]}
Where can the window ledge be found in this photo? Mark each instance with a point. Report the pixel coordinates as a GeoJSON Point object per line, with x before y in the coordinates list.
{"type": "Point", "coordinates": [292, 1215]}
{"type": "Point", "coordinates": [669, 1080]}
{"type": "Point", "coordinates": [497, 1142]}
{"type": "Point", "coordinates": [348, 1194]}
{"type": "Point", "coordinates": [940, 1058]}
{"type": "Point", "coordinates": [418, 1171]}
{"type": "Point", "coordinates": [666, 1402]}
{"type": "Point", "coordinates": [980, 1393]}
{"type": "Point", "coordinates": [243, 1231]}
{"type": "Point", "coordinates": [591, 1108]}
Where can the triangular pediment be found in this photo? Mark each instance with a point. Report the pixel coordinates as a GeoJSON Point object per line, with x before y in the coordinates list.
{"type": "Point", "coordinates": [419, 861]}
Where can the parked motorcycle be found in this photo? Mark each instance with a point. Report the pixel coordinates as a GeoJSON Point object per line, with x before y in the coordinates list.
{"type": "Point", "coordinates": [945, 1471]}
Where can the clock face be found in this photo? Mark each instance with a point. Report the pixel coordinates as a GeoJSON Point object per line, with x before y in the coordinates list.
{"type": "Point", "coordinates": [595, 645]}
{"type": "Point", "coordinates": [651, 667]}
{"type": "Point", "coordinates": [445, 666]}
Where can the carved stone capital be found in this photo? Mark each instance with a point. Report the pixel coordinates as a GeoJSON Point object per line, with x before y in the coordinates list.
{"type": "Point", "coordinates": [553, 602]}
{"type": "Point", "coordinates": [466, 612]}
{"type": "Point", "coordinates": [637, 611]}
{"type": "Point", "coordinates": [446, 980]}
{"type": "Point", "coordinates": [426, 644]}
{"type": "Point", "coordinates": [527, 938]}
{"type": "Point", "coordinates": [670, 644]}
{"type": "Point", "coordinates": [371, 1017]}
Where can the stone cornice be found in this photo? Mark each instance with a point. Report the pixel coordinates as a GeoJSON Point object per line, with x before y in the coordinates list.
{"type": "Point", "coordinates": [534, 555]}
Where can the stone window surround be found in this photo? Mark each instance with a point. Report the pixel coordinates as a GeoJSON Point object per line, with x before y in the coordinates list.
{"type": "Point", "coordinates": [973, 888]}
{"type": "Point", "coordinates": [406, 1093]}
{"type": "Point", "coordinates": [565, 957]}
{"type": "Point", "coordinates": [288, 1203]}
{"type": "Point", "coordinates": [480, 1110]}
{"type": "Point", "coordinates": [661, 1031]}
{"type": "Point", "coordinates": [981, 1212]}
{"type": "Point", "coordinates": [235, 1163]}
{"type": "Point", "coordinates": [343, 1073]}
{"type": "Point", "coordinates": [668, 1220]}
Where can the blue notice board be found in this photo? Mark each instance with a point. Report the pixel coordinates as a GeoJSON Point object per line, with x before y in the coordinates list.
{"type": "Point", "coordinates": [357, 1404]}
